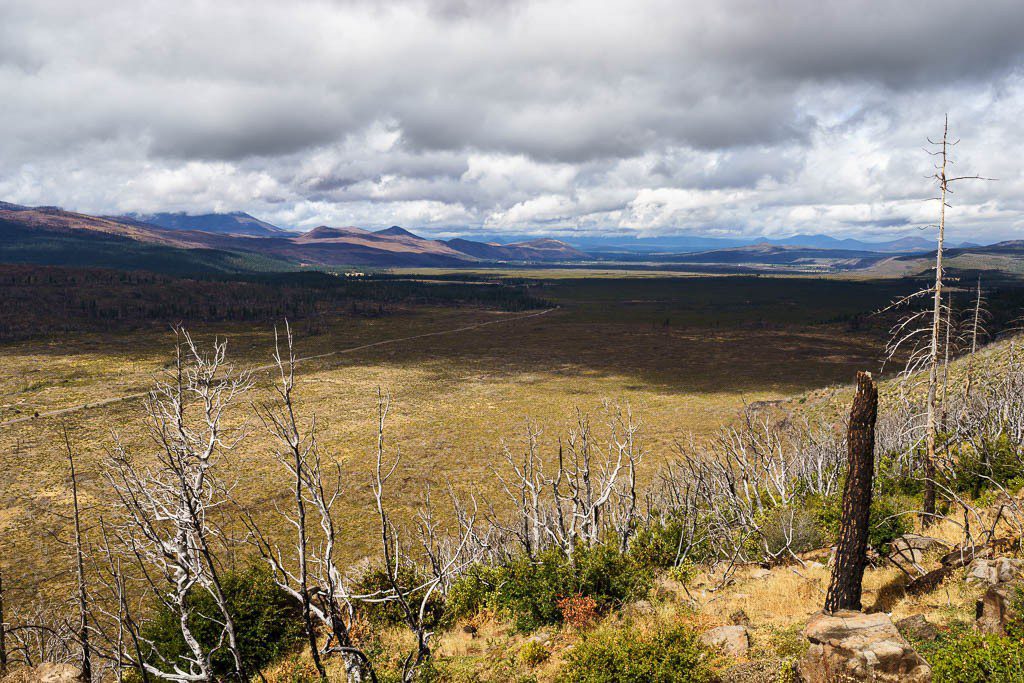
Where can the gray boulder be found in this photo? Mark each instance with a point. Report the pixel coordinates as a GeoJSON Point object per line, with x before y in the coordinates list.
{"type": "Point", "coordinates": [995, 571]}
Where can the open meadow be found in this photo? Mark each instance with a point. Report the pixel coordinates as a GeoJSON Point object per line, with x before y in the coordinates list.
{"type": "Point", "coordinates": [684, 353]}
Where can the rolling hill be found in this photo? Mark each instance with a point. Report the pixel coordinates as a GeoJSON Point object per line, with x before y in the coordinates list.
{"type": "Point", "coordinates": [175, 243]}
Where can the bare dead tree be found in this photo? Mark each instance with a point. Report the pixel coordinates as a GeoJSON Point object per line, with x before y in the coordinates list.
{"type": "Point", "coordinates": [83, 596]}
{"type": "Point", "coordinates": [589, 495]}
{"type": "Point", "coordinates": [844, 590]}
{"type": "Point", "coordinates": [975, 332]}
{"type": "Point", "coordinates": [312, 572]}
{"type": "Point", "coordinates": [167, 506]}
{"type": "Point", "coordinates": [120, 629]}
{"type": "Point", "coordinates": [446, 555]}
{"type": "Point", "coordinates": [944, 181]}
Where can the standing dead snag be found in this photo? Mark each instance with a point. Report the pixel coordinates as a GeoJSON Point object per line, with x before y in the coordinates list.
{"type": "Point", "coordinates": [168, 506]}
{"type": "Point", "coordinates": [311, 575]}
{"type": "Point", "coordinates": [944, 181]}
{"type": "Point", "coordinates": [3, 629]}
{"type": "Point", "coordinates": [851, 552]}
{"type": "Point", "coordinates": [83, 598]}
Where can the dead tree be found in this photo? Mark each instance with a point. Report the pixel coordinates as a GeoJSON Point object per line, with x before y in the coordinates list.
{"type": "Point", "coordinates": [446, 555]}
{"type": "Point", "coordinates": [168, 507]}
{"type": "Point", "coordinates": [944, 182]}
{"type": "Point", "coordinates": [3, 628]}
{"type": "Point", "coordinates": [975, 330]}
{"type": "Point", "coordinates": [83, 596]}
{"type": "Point", "coordinates": [844, 590]}
{"type": "Point", "coordinates": [311, 576]}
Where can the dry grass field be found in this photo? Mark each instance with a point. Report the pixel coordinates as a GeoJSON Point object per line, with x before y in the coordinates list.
{"type": "Point", "coordinates": [684, 353]}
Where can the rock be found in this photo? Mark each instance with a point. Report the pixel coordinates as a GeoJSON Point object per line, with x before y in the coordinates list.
{"type": "Point", "coordinates": [470, 629]}
{"type": "Point", "coordinates": [995, 609]}
{"type": "Point", "coordinates": [759, 573]}
{"type": "Point", "coordinates": [917, 628]}
{"type": "Point", "coordinates": [910, 548]}
{"type": "Point", "coordinates": [732, 640]}
{"type": "Point", "coordinates": [815, 565]}
{"type": "Point", "coordinates": [855, 646]}
{"type": "Point", "coordinates": [995, 571]}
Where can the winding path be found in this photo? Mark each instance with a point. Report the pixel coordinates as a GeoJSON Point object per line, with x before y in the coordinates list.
{"type": "Point", "coordinates": [384, 342]}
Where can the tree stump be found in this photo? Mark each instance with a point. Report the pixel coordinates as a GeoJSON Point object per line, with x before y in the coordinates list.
{"type": "Point", "coordinates": [851, 552]}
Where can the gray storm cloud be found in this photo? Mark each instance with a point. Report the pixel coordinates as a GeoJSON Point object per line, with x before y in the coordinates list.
{"type": "Point", "coordinates": [458, 116]}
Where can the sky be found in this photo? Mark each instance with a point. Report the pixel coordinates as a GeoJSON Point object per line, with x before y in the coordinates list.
{"type": "Point", "coordinates": [466, 117]}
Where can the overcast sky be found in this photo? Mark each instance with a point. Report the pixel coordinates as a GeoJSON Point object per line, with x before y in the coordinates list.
{"type": "Point", "coordinates": [726, 117]}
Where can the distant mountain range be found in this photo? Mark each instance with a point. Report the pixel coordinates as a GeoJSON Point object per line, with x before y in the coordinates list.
{"type": "Point", "coordinates": [177, 242]}
{"type": "Point", "coordinates": [237, 241]}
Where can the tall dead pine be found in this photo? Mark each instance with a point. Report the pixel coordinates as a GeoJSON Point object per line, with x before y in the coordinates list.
{"type": "Point", "coordinates": [851, 552]}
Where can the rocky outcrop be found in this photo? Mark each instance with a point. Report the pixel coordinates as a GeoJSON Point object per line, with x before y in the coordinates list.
{"type": "Point", "coordinates": [1001, 577]}
{"type": "Point", "coordinates": [732, 640]}
{"type": "Point", "coordinates": [995, 571]}
{"type": "Point", "coordinates": [854, 646]}
{"type": "Point", "coordinates": [995, 609]}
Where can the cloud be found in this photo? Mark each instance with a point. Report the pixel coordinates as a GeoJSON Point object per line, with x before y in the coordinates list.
{"type": "Point", "coordinates": [736, 116]}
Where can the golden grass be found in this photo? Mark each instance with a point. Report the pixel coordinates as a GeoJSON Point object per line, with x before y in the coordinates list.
{"type": "Point", "coordinates": [456, 397]}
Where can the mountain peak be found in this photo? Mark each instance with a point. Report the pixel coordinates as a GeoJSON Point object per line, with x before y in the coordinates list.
{"type": "Point", "coordinates": [396, 231]}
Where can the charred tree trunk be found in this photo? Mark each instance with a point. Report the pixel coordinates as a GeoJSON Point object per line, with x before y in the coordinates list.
{"type": "Point", "coordinates": [3, 630]}
{"type": "Point", "coordinates": [851, 552]}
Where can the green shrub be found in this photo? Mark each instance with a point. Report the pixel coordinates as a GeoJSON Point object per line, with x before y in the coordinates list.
{"type": "Point", "coordinates": [471, 592]}
{"type": "Point", "coordinates": [894, 479]}
{"type": "Point", "coordinates": [528, 590]}
{"type": "Point", "coordinates": [975, 471]}
{"type": "Point", "coordinates": [656, 545]}
{"type": "Point", "coordinates": [887, 521]}
{"type": "Point", "coordinates": [964, 656]}
{"type": "Point", "coordinates": [267, 620]}
{"type": "Point", "coordinates": [533, 653]}
{"type": "Point", "coordinates": [795, 527]}
{"type": "Point", "coordinates": [671, 655]}
{"type": "Point", "coordinates": [391, 613]}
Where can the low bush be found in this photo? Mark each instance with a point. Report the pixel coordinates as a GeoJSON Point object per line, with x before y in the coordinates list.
{"type": "Point", "coordinates": [792, 528]}
{"type": "Point", "coordinates": [669, 655]}
{"type": "Point", "coordinates": [578, 611]}
{"type": "Point", "coordinates": [888, 520]}
{"type": "Point", "coordinates": [995, 463]}
{"type": "Point", "coordinates": [391, 613]}
{"type": "Point", "coordinates": [267, 621]}
{"type": "Point", "coordinates": [656, 544]}
{"type": "Point", "coordinates": [533, 653]}
{"type": "Point", "coordinates": [528, 590]}
{"type": "Point", "coordinates": [965, 656]}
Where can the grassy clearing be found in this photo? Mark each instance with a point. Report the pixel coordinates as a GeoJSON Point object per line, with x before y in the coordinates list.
{"type": "Point", "coordinates": [456, 397]}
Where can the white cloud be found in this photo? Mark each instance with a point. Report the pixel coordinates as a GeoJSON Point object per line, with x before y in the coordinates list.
{"type": "Point", "coordinates": [521, 115]}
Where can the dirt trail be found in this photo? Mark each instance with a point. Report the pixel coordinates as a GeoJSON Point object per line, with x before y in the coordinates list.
{"type": "Point", "coordinates": [261, 368]}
